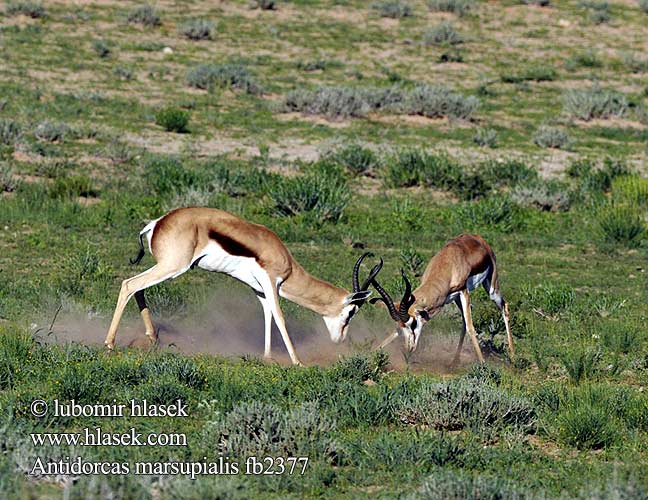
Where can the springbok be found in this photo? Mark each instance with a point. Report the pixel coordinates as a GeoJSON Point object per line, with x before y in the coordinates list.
{"type": "Point", "coordinates": [221, 242]}
{"type": "Point", "coordinates": [459, 267]}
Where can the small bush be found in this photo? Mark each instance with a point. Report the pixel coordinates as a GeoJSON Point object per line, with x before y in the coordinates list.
{"type": "Point", "coordinates": [332, 102]}
{"type": "Point", "coordinates": [173, 119]}
{"type": "Point", "coordinates": [7, 181]}
{"type": "Point", "coordinates": [395, 9]}
{"type": "Point", "coordinates": [123, 73]}
{"type": "Point", "coordinates": [446, 484]}
{"type": "Point", "coordinates": [101, 48]}
{"type": "Point", "coordinates": [10, 132]}
{"type": "Point", "coordinates": [547, 196]}
{"type": "Point", "coordinates": [442, 34]}
{"type": "Point", "coordinates": [599, 12]}
{"type": "Point", "coordinates": [180, 368]}
{"type": "Point", "coordinates": [459, 7]}
{"type": "Point", "coordinates": [550, 298]}
{"type": "Point", "coordinates": [466, 403]}
{"type": "Point", "coordinates": [634, 63]}
{"type": "Point", "coordinates": [497, 212]}
{"type": "Point", "coordinates": [587, 426]}
{"type": "Point", "coordinates": [197, 29]}
{"type": "Point", "coordinates": [486, 138]}
{"type": "Point", "coordinates": [621, 224]}
{"type": "Point", "coordinates": [234, 76]}
{"type": "Point", "coordinates": [506, 173]}
{"type": "Point", "coordinates": [26, 8]}
{"type": "Point", "coordinates": [263, 4]}
{"type": "Point", "coordinates": [580, 363]}
{"type": "Point", "coordinates": [79, 381]}
{"type": "Point", "coordinates": [322, 195]}
{"type": "Point", "coordinates": [51, 131]}
{"type": "Point", "coordinates": [407, 167]}
{"type": "Point", "coordinates": [438, 101]}
{"type": "Point", "coordinates": [630, 189]}
{"type": "Point", "coordinates": [167, 175]}
{"type": "Point", "coordinates": [355, 158]}
{"type": "Point", "coordinates": [162, 391]}
{"type": "Point", "coordinates": [16, 348]}
{"type": "Point", "coordinates": [145, 15]}
{"type": "Point", "coordinates": [595, 102]}
{"type": "Point", "coordinates": [119, 152]}
{"type": "Point", "coordinates": [586, 59]}
{"type": "Point", "coordinates": [551, 137]}
{"type": "Point", "coordinates": [536, 73]}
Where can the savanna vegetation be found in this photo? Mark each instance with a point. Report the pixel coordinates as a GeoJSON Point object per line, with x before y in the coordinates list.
{"type": "Point", "coordinates": [344, 126]}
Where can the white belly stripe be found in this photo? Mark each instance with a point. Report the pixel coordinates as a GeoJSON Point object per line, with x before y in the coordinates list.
{"type": "Point", "coordinates": [246, 269]}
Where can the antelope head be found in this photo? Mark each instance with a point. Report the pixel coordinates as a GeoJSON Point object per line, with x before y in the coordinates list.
{"type": "Point", "coordinates": [338, 325]}
{"type": "Point", "coordinates": [408, 325]}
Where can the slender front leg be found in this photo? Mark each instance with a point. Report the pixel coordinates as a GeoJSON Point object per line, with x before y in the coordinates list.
{"type": "Point", "coordinates": [506, 316]}
{"type": "Point", "coordinates": [388, 340]}
{"type": "Point", "coordinates": [146, 316]}
{"type": "Point", "coordinates": [455, 361]}
{"type": "Point", "coordinates": [267, 318]}
{"type": "Point", "coordinates": [465, 305]}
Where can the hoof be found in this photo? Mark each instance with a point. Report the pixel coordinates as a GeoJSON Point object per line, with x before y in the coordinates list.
{"type": "Point", "coordinates": [110, 346]}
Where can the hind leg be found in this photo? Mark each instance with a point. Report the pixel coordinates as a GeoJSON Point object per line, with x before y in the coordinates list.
{"type": "Point", "coordinates": [496, 296]}
{"type": "Point", "coordinates": [146, 316]}
{"type": "Point", "coordinates": [455, 361]}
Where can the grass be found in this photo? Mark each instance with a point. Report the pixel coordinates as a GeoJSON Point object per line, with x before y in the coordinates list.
{"type": "Point", "coordinates": [402, 162]}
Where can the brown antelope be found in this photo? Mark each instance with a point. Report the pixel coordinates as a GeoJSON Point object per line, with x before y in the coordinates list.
{"type": "Point", "coordinates": [219, 241]}
{"type": "Point", "coordinates": [459, 267]}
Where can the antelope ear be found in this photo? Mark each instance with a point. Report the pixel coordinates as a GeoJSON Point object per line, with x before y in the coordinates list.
{"type": "Point", "coordinates": [357, 298]}
{"type": "Point", "coordinates": [423, 314]}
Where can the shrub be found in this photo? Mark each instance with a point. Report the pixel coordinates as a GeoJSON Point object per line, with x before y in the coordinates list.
{"type": "Point", "coordinates": [332, 102]}
{"type": "Point", "coordinates": [412, 262]}
{"type": "Point", "coordinates": [101, 48]}
{"type": "Point", "coordinates": [580, 363]}
{"type": "Point", "coordinates": [438, 101]}
{"type": "Point", "coordinates": [395, 9]}
{"type": "Point", "coordinates": [359, 367]}
{"type": "Point", "coordinates": [587, 426]}
{"type": "Point", "coordinates": [123, 73]}
{"type": "Point", "coordinates": [621, 223]}
{"type": "Point", "coordinates": [466, 403]}
{"type": "Point", "coordinates": [322, 194]}
{"type": "Point", "coordinates": [599, 12]}
{"type": "Point", "coordinates": [448, 484]}
{"type": "Point", "coordinates": [643, 5]}
{"type": "Point", "coordinates": [197, 29]}
{"type": "Point", "coordinates": [486, 137]}
{"type": "Point", "coordinates": [263, 4]}
{"type": "Point", "coordinates": [539, 3]}
{"type": "Point", "coordinates": [442, 34]}
{"type": "Point", "coordinates": [407, 167]}
{"type": "Point", "coordinates": [234, 76]}
{"type": "Point", "coordinates": [79, 381]}
{"type": "Point", "coordinates": [537, 73]}
{"type": "Point", "coordinates": [551, 137]}
{"type": "Point", "coordinates": [260, 429]}
{"type": "Point", "coordinates": [595, 102]}
{"type": "Point", "coordinates": [26, 8]}
{"type": "Point", "coordinates": [163, 390]}
{"type": "Point", "coordinates": [634, 63]}
{"type": "Point", "coordinates": [51, 131]}
{"type": "Point", "coordinates": [7, 181]}
{"type": "Point", "coordinates": [72, 187]}
{"type": "Point", "coordinates": [355, 158]}
{"type": "Point", "coordinates": [549, 196]}
{"type": "Point", "coordinates": [173, 119]}
{"type": "Point", "coordinates": [10, 132]}
{"type": "Point", "coordinates": [119, 152]}
{"type": "Point", "coordinates": [145, 15]}
{"type": "Point", "coordinates": [630, 189]}
{"type": "Point", "coordinates": [586, 59]}
{"type": "Point", "coordinates": [594, 180]}
{"type": "Point", "coordinates": [16, 348]}
{"type": "Point", "coordinates": [509, 172]}
{"type": "Point", "coordinates": [166, 175]}
{"type": "Point", "coordinates": [459, 7]}
{"type": "Point", "coordinates": [180, 368]}
{"type": "Point", "coordinates": [550, 298]}
{"type": "Point", "coordinates": [497, 212]}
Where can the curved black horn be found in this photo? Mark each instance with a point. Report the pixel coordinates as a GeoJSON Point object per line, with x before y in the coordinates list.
{"type": "Point", "coordinates": [384, 296]}
{"type": "Point", "coordinates": [408, 299]}
{"type": "Point", "coordinates": [374, 272]}
{"type": "Point", "coordinates": [356, 269]}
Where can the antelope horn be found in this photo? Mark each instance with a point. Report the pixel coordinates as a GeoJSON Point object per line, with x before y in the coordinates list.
{"type": "Point", "coordinates": [407, 301]}
{"type": "Point", "coordinates": [384, 296]}
{"type": "Point", "coordinates": [374, 272]}
{"type": "Point", "coordinates": [356, 269]}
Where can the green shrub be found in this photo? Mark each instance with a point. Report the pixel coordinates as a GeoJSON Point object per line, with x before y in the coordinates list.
{"type": "Point", "coordinates": [459, 7]}
{"type": "Point", "coordinates": [537, 73]}
{"type": "Point", "coordinates": [173, 119]}
{"type": "Point", "coordinates": [145, 15]}
{"type": "Point", "coordinates": [72, 187]}
{"type": "Point", "coordinates": [587, 426]}
{"type": "Point", "coordinates": [548, 196]}
{"type": "Point", "coordinates": [321, 194]}
{"type": "Point", "coordinates": [263, 4]}
{"type": "Point", "coordinates": [359, 368]}
{"type": "Point", "coordinates": [438, 101]}
{"type": "Point", "coordinates": [52, 131]}
{"type": "Point", "coordinates": [332, 102]}
{"type": "Point", "coordinates": [101, 48]}
{"type": "Point", "coordinates": [486, 137]}
{"type": "Point", "coordinates": [599, 11]}
{"type": "Point", "coordinates": [634, 63]}
{"type": "Point", "coordinates": [580, 363]}
{"type": "Point", "coordinates": [10, 132]}
{"type": "Point", "coordinates": [497, 212]}
{"type": "Point", "coordinates": [79, 381]}
{"type": "Point", "coordinates": [162, 390]}
{"type": "Point", "coordinates": [587, 59]}
{"type": "Point", "coordinates": [506, 173]}
{"type": "Point", "coordinates": [412, 262]}
{"type": "Point", "coordinates": [407, 167]}
{"type": "Point", "coordinates": [467, 403]}
{"type": "Point", "coordinates": [26, 8]}
{"type": "Point", "coordinates": [165, 175]}
{"type": "Point", "coordinates": [395, 9]}
{"type": "Point", "coordinates": [7, 181]}
{"type": "Point", "coordinates": [447, 484]}
{"type": "Point", "coordinates": [595, 102]}
{"type": "Point", "coordinates": [197, 29]}
{"type": "Point", "coordinates": [123, 73]}
{"type": "Point", "coordinates": [172, 366]}
{"type": "Point", "coordinates": [16, 348]}
{"type": "Point", "coordinates": [630, 189]}
{"type": "Point", "coordinates": [83, 271]}
{"type": "Point", "coordinates": [551, 137]}
{"type": "Point", "coordinates": [594, 179]}
{"type": "Point", "coordinates": [442, 34]}
{"type": "Point", "coordinates": [550, 298]}
{"type": "Point", "coordinates": [229, 76]}
{"type": "Point", "coordinates": [317, 65]}
{"type": "Point", "coordinates": [621, 224]}
{"type": "Point", "coordinates": [355, 158]}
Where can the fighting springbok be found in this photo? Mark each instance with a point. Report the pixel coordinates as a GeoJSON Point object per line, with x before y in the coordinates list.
{"type": "Point", "coordinates": [459, 267]}
{"type": "Point", "coordinates": [221, 242]}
